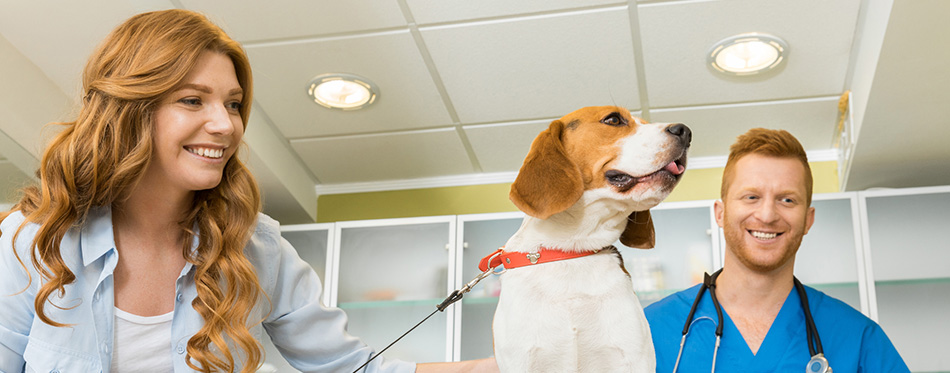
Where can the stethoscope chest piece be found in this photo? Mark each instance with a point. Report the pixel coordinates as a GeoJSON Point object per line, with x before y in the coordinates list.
{"type": "Point", "coordinates": [818, 364]}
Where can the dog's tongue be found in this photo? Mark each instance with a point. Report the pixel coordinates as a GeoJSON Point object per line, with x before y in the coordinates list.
{"type": "Point", "coordinates": [674, 168]}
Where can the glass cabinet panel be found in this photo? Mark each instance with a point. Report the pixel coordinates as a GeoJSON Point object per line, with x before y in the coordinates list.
{"type": "Point", "coordinates": [827, 260]}
{"type": "Point", "coordinates": [479, 239]}
{"type": "Point", "coordinates": [311, 245]}
{"type": "Point", "coordinates": [909, 241]}
{"type": "Point", "coordinates": [683, 252]}
{"type": "Point", "coordinates": [391, 275]}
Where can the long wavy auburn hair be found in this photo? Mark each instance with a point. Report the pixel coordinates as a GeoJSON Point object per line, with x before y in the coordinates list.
{"type": "Point", "coordinates": [97, 160]}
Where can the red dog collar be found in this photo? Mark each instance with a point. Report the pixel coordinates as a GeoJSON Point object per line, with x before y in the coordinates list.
{"type": "Point", "coordinates": [515, 259]}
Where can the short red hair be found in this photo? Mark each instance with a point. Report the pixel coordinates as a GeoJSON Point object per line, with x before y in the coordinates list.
{"type": "Point", "coordinates": [771, 143]}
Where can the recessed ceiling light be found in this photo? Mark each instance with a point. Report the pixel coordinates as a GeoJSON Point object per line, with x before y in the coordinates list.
{"type": "Point", "coordinates": [342, 91]}
{"type": "Point", "coordinates": [747, 54]}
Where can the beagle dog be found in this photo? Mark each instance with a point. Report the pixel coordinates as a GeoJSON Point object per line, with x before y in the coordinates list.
{"type": "Point", "coordinates": [566, 303]}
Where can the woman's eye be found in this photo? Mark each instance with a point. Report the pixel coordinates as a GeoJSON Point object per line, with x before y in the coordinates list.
{"type": "Point", "coordinates": [190, 101]}
{"type": "Point", "coordinates": [235, 106]}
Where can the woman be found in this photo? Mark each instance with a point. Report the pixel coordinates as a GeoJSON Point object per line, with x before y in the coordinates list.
{"type": "Point", "coordinates": [142, 248]}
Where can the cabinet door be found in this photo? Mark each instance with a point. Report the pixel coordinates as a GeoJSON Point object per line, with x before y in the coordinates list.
{"type": "Point", "coordinates": [684, 251]}
{"type": "Point", "coordinates": [312, 242]}
{"type": "Point", "coordinates": [392, 274]}
{"type": "Point", "coordinates": [909, 243]}
{"type": "Point", "coordinates": [480, 235]}
{"type": "Point", "coordinates": [827, 259]}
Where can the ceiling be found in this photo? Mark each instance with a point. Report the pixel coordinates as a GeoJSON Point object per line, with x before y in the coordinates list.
{"type": "Point", "coordinates": [466, 85]}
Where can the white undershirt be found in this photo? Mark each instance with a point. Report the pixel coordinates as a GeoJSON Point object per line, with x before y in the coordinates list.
{"type": "Point", "coordinates": [142, 344]}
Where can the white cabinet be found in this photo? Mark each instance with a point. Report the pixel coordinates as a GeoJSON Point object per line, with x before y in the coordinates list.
{"type": "Point", "coordinates": [908, 244]}
{"type": "Point", "coordinates": [390, 274]}
{"type": "Point", "coordinates": [886, 253]}
{"type": "Point", "coordinates": [479, 235]}
{"type": "Point", "coordinates": [312, 242]}
{"type": "Point", "coordinates": [686, 247]}
{"type": "Point", "coordinates": [830, 259]}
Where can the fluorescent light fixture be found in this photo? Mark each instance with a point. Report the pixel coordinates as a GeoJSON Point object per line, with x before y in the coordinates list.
{"type": "Point", "coordinates": [342, 91]}
{"type": "Point", "coordinates": [747, 54]}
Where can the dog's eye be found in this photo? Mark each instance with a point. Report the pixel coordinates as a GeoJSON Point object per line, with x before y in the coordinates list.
{"type": "Point", "coordinates": [614, 119]}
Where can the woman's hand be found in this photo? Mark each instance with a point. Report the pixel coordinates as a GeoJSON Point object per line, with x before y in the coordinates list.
{"type": "Point", "coordinates": [470, 366]}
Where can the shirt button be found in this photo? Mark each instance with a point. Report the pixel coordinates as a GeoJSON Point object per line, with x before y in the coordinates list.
{"type": "Point", "coordinates": [54, 371]}
{"type": "Point", "coordinates": [105, 348]}
{"type": "Point", "coordinates": [178, 298]}
{"type": "Point", "coordinates": [95, 296]}
{"type": "Point", "coordinates": [181, 349]}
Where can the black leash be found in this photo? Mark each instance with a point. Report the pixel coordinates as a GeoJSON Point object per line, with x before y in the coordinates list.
{"type": "Point", "coordinates": [452, 298]}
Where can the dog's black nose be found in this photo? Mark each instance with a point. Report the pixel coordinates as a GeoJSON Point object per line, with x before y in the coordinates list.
{"type": "Point", "coordinates": [682, 131]}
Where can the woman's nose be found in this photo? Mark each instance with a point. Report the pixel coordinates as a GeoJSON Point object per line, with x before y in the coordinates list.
{"type": "Point", "coordinates": [220, 121]}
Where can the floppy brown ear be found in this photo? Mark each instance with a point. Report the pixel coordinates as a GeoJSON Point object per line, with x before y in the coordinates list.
{"type": "Point", "coordinates": [639, 232]}
{"type": "Point", "coordinates": [548, 182]}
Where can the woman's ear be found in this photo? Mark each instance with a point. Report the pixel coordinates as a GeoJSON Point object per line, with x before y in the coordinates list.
{"type": "Point", "coordinates": [639, 232]}
{"type": "Point", "coordinates": [548, 182]}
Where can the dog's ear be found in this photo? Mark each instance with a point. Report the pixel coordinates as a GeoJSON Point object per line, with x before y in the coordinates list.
{"type": "Point", "coordinates": [639, 232]}
{"type": "Point", "coordinates": [548, 182]}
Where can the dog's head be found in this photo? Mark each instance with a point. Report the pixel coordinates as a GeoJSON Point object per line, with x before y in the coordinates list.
{"type": "Point", "coordinates": [603, 149]}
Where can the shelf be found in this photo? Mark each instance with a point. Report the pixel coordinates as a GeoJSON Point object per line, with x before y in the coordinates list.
{"type": "Point", "coordinates": [390, 304]}
{"type": "Point", "coordinates": [913, 281]}
{"type": "Point", "coordinates": [833, 285]}
{"type": "Point", "coordinates": [480, 300]}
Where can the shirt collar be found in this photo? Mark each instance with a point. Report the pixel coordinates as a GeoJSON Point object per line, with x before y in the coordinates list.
{"type": "Point", "coordinates": [97, 237]}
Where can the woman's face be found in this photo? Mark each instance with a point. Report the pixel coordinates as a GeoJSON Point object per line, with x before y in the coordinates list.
{"type": "Point", "coordinates": [197, 126]}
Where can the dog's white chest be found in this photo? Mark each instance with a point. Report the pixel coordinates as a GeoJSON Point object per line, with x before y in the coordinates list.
{"type": "Point", "coordinates": [579, 315]}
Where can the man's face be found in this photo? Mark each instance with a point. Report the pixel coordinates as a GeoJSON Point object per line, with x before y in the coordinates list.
{"type": "Point", "coordinates": [764, 213]}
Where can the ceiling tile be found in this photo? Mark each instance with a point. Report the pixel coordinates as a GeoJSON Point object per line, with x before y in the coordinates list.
{"type": "Point", "coordinates": [408, 97]}
{"type": "Point", "coordinates": [398, 156]}
{"type": "Point", "coordinates": [715, 128]}
{"type": "Point", "coordinates": [58, 37]}
{"type": "Point", "coordinates": [439, 11]}
{"type": "Point", "coordinates": [677, 36]}
{"type": "Point", "coordinates": [536, 67]}
{"type": "Point", "coordinates": [503, 147]}
{"type": "Point", "coordinates": [248, 20]}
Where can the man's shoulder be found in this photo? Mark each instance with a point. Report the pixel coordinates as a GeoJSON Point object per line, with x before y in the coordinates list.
{"type": "Point", "coordinates": [674, 306]}
{"type": "Point", "coordinates": [831, 310]}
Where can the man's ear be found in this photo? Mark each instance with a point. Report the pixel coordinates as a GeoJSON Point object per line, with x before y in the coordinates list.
{"type": "Point", "coordinates": [548, 182]}
{"type": "Point", "coordinates": [809, 219]}
{"type": "Point", "coordinates": [639, 231]}
{"type": "Point", "coordinates": [719, 209]}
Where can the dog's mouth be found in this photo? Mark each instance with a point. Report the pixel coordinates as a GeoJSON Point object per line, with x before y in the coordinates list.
{"type": "Point", "coordinates": [673, 171]}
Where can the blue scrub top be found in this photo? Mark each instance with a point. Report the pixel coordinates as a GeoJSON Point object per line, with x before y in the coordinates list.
{"type": "Point", "coordinates": [851, 341]}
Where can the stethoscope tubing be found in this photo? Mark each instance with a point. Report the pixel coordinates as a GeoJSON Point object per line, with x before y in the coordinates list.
{"type": "Point", "coordinates": [709, 282]}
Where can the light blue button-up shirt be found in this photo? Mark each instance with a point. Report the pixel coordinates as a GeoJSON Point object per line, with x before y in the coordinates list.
{"type": "Point", "coordinates": [311, 337]}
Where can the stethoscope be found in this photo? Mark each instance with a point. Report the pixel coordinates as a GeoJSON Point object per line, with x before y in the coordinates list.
{"type": "Point", "coordinates": [817, 364]}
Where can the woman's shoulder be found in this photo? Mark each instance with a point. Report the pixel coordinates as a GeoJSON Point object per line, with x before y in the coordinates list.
{"type": "Point", "coordinates": [265, 240]}
{"type": "Point", "coordinates": [13, 225]}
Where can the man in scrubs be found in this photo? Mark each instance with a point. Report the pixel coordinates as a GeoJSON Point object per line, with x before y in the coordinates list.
{"type": "Point", "coordinates": [765, 211]}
